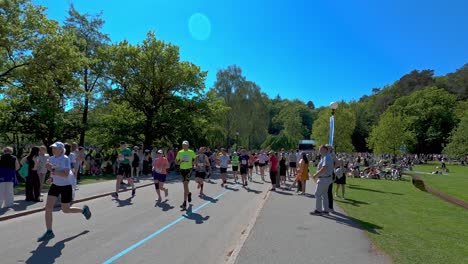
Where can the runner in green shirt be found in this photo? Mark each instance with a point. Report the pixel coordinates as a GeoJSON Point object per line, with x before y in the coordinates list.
{"type": "Point", "coordinates": [235, 165]}
{"type": "Point", "coordinates": [185, 159]}
{"type": "Point", "coordinates": [124, 160]}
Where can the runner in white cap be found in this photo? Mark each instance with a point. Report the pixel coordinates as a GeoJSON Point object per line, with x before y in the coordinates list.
{"type": "Point", "coordinates": [185, 159]}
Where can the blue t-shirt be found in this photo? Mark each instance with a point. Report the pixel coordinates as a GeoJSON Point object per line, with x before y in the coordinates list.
{"type": "Point", "coordinates": [327, 160]}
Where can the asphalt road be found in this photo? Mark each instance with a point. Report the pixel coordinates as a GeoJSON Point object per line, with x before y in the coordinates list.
{"type": "Point", "coordinates": [137, 230]}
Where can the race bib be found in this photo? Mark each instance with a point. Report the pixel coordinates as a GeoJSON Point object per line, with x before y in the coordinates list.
{"type": "Point", "coordinates": [158, 170]}
{"type": "Point", "coordinates": [201, 164]}
{"type": "Point", "coordinates": [185, 158]}
{"type": "Point", "coordinates": [244, 162]}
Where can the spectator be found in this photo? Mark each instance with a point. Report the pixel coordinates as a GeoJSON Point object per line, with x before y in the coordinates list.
{"type": "Point", "coordinates": [324, 176]}
{"type": "Point", "coordinates": [273, 169]}
{"type": "Point", "coordinates": [8, 166]}
{"type": "Point", "coordinates": [41, 167]}
{"type": "Point", "coordinates": [33, 185]}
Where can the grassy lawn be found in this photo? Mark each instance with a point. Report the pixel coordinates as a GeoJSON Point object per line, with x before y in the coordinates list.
{"type": "Point", "coordinates": [454, 184]}
{"type": "Point", "coordinates": [410, 225]}
{"type": "Point", "coordinates": [20, 189]}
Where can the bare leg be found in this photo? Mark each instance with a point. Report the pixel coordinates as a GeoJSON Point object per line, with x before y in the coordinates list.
{"type": "Point", "coordinates": [70, 210]}
{"type": "Point", "coordinates": [48, 211]}
{"type": "Point", "coordinates": [117, 183]}
{"type": "Point", "coordinates": [186, 190]}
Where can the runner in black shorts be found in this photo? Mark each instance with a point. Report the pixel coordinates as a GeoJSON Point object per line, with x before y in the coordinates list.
{"type": "Point", "coordinates": [244, 166]}
{"type": "Point", "coordinates": [124, 158]}
{"type": "Point", "coordinates": [201, 163]}
{"type": "Point", "coordinates": [185, 159]}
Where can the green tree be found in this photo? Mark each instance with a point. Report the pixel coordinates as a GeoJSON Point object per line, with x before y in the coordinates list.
{"type": "Point", "coordinates": [91, 42]}
{"type": "Point", "coordinates": [458, 141]}
{"type": "Point", "coordinates": [430, 115]}
{"type": "Point", "coordinates": [148, 76]}
{"type": "Point", "coordinates": [390, 134]}
{"type": "Point", "coordinates": [22, 25]}
{"type": "Point", "coordinates": [345, 121]}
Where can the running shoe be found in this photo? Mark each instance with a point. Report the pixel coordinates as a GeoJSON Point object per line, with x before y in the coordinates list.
{"type": "Point", "coordinates": [133, 192]}
{"type": "Point", "coordinates": [316, 212]}
{"type": "Point", "coordinates": [86, 212]}
{"type": "Point", "coordinates": [48, 235]}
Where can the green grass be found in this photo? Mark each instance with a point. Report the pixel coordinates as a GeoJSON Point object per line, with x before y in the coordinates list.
{"type": "Point", "coordinates": [455, 183]}
{"type": "Point", "coordinates": [409, 225]}
{"type": "Point", "coordinates": [88, 179]}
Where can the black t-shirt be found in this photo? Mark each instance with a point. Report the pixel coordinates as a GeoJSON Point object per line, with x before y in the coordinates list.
{"type": "Point", "coordinates": [8, 161]}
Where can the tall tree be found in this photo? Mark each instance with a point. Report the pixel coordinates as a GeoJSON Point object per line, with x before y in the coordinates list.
{"type": "Point", "coordinates": [149, 75]}
{"type": "Point", "coordinates": [345, 122]}
{"type": "Point", "coordinates": [390, 134]}
{"type": "Point", "coordinates": [458, 141]}
{"type": "Point", "coordinates": [22, 25]}
{"type": "Point", "coordinates": [91, 42]}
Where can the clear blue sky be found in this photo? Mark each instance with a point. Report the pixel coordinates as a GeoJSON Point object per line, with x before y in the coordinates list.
{"type": "Point", "coordinates": [315, 50]}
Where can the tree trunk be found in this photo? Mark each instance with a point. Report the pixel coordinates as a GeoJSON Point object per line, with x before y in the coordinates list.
{"type": "Point", "coordinates": [84, 121]}
{"type": "Point", "coordinates": [149, 136]}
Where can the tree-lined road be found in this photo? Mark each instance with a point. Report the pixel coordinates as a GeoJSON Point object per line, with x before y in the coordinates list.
{"type": "Point", "coordinates": [206, 235]}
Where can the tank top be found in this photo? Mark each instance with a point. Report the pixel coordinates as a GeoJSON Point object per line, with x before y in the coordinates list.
{"type": "Point", "coordinates": [235, 161]}
{"type": "Point", "coordinates": [201, 163]}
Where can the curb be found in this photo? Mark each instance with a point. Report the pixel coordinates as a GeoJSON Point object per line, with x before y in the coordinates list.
{"type": "Point", "coordinates": [37, 210]}
{"type": "Point", "coordinates": [232, 255]}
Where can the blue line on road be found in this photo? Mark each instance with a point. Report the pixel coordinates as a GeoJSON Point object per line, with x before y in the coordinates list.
{"type": "Point", "coordinates": [141, 242]}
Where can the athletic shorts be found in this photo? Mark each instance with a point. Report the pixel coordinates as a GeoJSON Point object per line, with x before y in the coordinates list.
{"type": "Point", "coordinates": [251, 167]}
{"type": "Point", "coordinates": [200, 174]}
{"type": "Point", "coordinates": [124, 170]}
{"type": "Point", "coordinates": [243, 170]}
{"type": "Point", "coordinates": [223, 170]}
{"type": "Point", "coordinates": [159, 177]}
{"type": "Point", "coordinates": [65, 192]}
{"type": "Point", "coordinates": [262, 164]}
{"type": "Point", "coordinates": [256, 163]}
{"type": "Point", "coordinates": [235, 168]}
{"type": "Point", "coordinates": [292, 164]}
{"type": "Point", "coordinates": [186, 174]}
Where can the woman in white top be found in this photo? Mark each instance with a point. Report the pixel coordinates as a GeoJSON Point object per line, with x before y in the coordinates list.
{"type": "Point", "coordinates": [59, 167]}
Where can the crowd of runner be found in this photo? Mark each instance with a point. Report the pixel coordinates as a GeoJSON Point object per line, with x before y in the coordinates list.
{"type": "Point", "coordinates": [69, 161]}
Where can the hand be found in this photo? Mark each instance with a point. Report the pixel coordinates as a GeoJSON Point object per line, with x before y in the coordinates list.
{"type": "Point", "coordinates": [49, 166]}
{"type": "Point", "coordinates": [49, 181]}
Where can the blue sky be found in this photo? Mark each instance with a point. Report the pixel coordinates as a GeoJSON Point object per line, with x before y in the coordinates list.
{"type": "Point", "coordinates": [312, 50]}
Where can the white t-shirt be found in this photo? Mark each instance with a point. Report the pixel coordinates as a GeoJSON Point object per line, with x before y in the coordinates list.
{"type": "Point", "coordinates": [262, 158]}
{"type": "Point", "coordinates": [42, 160]}
{"type": "Point", "coordinates": [61, 163]}
{"type": "Point", "coordinates": [293, 157]}
{"type": "Point", "coordinates": [224, 161]}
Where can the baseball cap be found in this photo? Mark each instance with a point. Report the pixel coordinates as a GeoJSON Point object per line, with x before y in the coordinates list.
{"type": "Point", "coordinates": [160, 151]}
{"type": "Point", "coordinates": [185, 142]}
{"type": "Point", "coordinates": [59, 145]}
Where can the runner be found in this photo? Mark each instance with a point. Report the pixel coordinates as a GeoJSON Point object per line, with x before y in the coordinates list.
{"type": "Point", "coordinates": [59, 168]}
{"type": "Point", "coordinates": [224, 161]}
{"type": "Point", "coordinates": [125, 157]}
{"type": "Point", "coordinates": [160, 166]}
{"type": "Point", "coordinates": [202, 165]}
{"type": "Point", "coordinates": [235, 165]}
{"type": "Point", "coordinates": [185, 159]}
{"type": "Point", "coordinates": [251, 165]}
{"type": "Point", "coordinates": [244, 160]}
{"type": "Point", "coordinates": [256, 162]}
{"type": "Point", "coordinates": [293, 163]}
{"type": "Point", "coordinates": [261, 162]}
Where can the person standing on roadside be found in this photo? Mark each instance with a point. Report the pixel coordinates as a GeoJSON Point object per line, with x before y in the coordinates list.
{"type": "Point", "coordinates": [8, 166]}
{"type": "Point", "coordinates": [185, 159]}
{"type": "Point", "coordinates": [59, 167]}
{"type": "Point", "coordinates": [33, 184]}
{"type": "Point", "coordinates": [42, 161]}
{"type": "Point", "coordinates": [324, 176]}
{"type": "Point", "coordinates": [330, 188]}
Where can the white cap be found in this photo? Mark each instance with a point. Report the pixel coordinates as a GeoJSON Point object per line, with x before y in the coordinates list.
{"type": "Point", "coordinates": [59, 145]}
{"type": "Point", "coordinates": [185, 142]}
{"type": "Point", "coordinates": [160, 151]}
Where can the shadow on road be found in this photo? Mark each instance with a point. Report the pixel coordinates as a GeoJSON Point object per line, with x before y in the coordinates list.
{"type": "Point", "coordinates": [231, 189]}
{"type": "Point", "coordinates": [356, 187]}
{"type": "Point", "coordinates": [122, 203]}
{"type": "Point", "coordinates": [195, 216]}
{"type": "Point", "coordinates": [164, 205]}
{"type": "Point", "coordinates": [252, 190]}
{"type": "Point", "coordinates": [258, 182]}
{"type": "Point", "coordinates": [354, 222]}
{"type": "Point", "coordinates": [283, 193]}
{"type": "Point", "coordinates": [45, 254]}
{"type": "Point", "coordinates": [207, 198]}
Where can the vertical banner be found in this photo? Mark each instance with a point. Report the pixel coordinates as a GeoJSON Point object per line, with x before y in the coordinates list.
{"type": "Point", "coordinates": [332, 130]}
